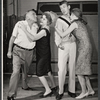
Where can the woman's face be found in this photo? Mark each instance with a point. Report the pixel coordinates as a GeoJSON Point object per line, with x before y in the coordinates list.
{"type": "Point", "coordinates": [43, 20]}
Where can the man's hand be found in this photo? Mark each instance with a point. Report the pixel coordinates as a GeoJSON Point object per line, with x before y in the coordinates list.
{"type": "Point", "coordinates": [9, 54]}
{"type": "Point", "coordinates": [61, 47]}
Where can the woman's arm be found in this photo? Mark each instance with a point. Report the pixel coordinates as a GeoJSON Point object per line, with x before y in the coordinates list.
{"type": "Point", "coordinates": [33, 37]}
{"type": "Point", "coordinates": [68, 31]}
{"type": "Point", "coordinates": [40, 34]}
{"type": "Point", "coordinates": [29, 35]}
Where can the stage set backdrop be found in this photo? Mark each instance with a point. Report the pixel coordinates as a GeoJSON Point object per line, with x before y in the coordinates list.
{"type": "Point", "coordinates": [14, 10]}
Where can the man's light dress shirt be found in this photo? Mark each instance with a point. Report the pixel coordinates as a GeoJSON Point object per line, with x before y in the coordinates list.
{"type": "Point", "coordinates": [21, 38]}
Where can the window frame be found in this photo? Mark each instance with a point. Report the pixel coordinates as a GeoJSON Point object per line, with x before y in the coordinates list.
{"type": "Point", "coordinates": [39, 4]}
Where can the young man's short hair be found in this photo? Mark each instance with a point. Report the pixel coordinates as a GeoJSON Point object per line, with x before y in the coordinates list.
{"type": "Point", "coordinates": [63, 2]}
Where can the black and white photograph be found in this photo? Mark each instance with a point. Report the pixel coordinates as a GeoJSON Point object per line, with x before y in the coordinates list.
{"type": "Point", "coordinates": [49, 50]}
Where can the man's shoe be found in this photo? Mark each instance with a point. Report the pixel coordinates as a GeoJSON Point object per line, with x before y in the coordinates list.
{"type": "Point", "coordinates": [28, 88]}
{"type": "Point", "coordinates": [72, 94]}
{"type": "Point", "coordinates": [59, 96]}
{"type": "Point", "coordinates": [10, 98]}
{"type": "Point", "coordinates": [54, 90]}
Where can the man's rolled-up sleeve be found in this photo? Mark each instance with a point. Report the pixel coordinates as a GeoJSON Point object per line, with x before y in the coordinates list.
{"type": "Point", "coordinates": [15, 30]}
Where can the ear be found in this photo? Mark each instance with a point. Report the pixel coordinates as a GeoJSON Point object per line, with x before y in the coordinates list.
{"type": "Point", "coordinates": [69, 7]}
{"type": "Point", "coordinates": [48, 23]}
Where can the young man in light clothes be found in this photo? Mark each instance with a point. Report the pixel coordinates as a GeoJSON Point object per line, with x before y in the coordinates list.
{"type": "Point", "coordinates": [66, 52]}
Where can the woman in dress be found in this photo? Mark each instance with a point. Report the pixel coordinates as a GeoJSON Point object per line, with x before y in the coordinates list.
{"type": "Point", "coordinates": [84, 51]}
{"type": "Point", "coordinates": [43, 53]}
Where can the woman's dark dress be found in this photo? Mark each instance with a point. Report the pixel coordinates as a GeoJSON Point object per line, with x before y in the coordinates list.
{"type": "Point", "coordinates": [83, 64]}
{"type": "Point", "coordinates": [43, 55]}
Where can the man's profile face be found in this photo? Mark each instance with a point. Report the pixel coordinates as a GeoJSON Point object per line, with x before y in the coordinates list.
{"type": "Point", "coordinates": [32, 16]}
{"type": "Point", "coordinates": [64, 9]}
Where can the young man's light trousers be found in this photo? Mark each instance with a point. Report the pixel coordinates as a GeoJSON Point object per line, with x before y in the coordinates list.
{"type": "Point", "coordinates": [64, 56]}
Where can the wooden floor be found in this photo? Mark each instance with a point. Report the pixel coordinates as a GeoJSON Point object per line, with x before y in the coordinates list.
{"type": "Point", "coordinates": [38, 89]}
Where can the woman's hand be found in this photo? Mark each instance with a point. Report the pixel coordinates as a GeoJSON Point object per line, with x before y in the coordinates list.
{"type": "Point", "coordinates": [22, 26]}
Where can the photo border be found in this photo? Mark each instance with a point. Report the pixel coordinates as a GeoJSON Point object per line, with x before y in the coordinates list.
{"type": "Point", "coordinates": [1, 50]}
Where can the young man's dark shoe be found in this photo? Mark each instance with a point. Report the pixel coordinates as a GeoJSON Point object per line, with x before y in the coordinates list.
{"type": "Point", "coordinates": [54, 90]}
{"type": "Point", "coordinates": [59, 96]}
{"type": "Point", "coordinates": [10, 98]}
{"type": "Point", "coordinates": [72, 94]}
{"type": "Point", "coordinates": [28, 88]}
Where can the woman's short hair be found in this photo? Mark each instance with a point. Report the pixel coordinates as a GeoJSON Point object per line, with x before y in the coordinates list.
{"type": "Point", "coordinates": [78, 13]}
{"type": "Point", "coordinates": [48, 16]}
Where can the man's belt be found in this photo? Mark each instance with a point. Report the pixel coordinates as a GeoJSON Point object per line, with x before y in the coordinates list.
{"type": "Point", "coordinates": [23, 48]}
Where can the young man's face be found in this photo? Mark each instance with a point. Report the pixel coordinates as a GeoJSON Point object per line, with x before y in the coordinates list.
{"type": "Point", "coordinates": [64, 9]}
